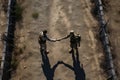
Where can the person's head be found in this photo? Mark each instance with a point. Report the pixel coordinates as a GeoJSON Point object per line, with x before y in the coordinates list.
{"type": "Point", "coordinates": [40, 34]}
{"type": "Point", "coordinates": [44, 32]}
{"type": "Point", "coordinates": [72, 33]}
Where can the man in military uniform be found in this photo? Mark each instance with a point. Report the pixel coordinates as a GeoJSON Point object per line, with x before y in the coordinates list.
{"type": "Point", "coordinates": [42, 40]}
{"type": "Point", "coordinates": [74, 40]}
{"type": "Point", "coordinates": [78, 39]}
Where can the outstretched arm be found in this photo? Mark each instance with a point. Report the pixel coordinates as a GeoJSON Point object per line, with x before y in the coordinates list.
{"type": "Point", "coordinates": [64, 38]}
{"type": "Point", "coordinates": [52, 40]}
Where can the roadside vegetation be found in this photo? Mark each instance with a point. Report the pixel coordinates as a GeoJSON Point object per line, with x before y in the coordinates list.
{"type": "Point", "coordinates": [35, 15]}
{"type": "Point", "coordinates": [18, 12]}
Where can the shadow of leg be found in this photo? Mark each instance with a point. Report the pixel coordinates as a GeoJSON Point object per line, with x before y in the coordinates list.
{"type": "Point", "coordinates": [46, 66]}
{"type": "Point", "coordinates": [79, 71]}
{"type": "Point", "coordinates": [47, 70]}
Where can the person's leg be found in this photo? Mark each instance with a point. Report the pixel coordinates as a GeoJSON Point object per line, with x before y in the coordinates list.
{"type": "Point", "coordinates": [79, 44]}
{"type": "Point", "coordinates": [46, 51]}
{"type": "Point", "coordinates": [42, 46]}
{"type": "Point", "coordinates": [75, 46]}
{"type": "Point", "coordinates": [72, 46]}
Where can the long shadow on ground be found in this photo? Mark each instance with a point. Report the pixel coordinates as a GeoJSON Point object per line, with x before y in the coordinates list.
{"type": "Point", "coordinates": [48, 71]}
{"type": "Point", "coordinates": [78, 70]}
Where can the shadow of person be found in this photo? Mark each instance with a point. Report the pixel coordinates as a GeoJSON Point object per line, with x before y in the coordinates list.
{"type": "Point", "coordinates": [78, 70]}
{"type": "Point", "coordinates": [48, 71]}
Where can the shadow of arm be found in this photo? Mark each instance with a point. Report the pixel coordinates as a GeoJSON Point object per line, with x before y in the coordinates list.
{"type": "Point", "coordinates": [55, 66]}
{"type": "Point", "coordinates": [69, 66]}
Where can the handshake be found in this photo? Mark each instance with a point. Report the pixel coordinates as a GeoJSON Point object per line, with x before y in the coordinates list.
{"type": "Point", "coordinates": [56, 40]}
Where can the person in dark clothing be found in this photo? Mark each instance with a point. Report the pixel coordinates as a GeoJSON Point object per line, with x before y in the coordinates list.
{"type": "Point", "coordinates": [78, 39]}
{"type": "Point", "coordinates": [74, 40]}
{"type": "Point", "coordinates": [43, 38]}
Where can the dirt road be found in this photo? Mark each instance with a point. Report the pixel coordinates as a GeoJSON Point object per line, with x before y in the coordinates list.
{"type": "Point", "coordinates": [58, 17]}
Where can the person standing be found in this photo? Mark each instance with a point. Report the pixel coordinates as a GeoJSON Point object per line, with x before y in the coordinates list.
{"type": "Point", "coordinates": [78, 39]}
{"type": "Point", "coordinates": [73, 40]}
{"type": "Point", "coordinates": [42, 40]}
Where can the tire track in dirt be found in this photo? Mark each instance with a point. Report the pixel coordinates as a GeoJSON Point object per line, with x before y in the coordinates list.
{"type": "Point", "coordinates": [55, 14]}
